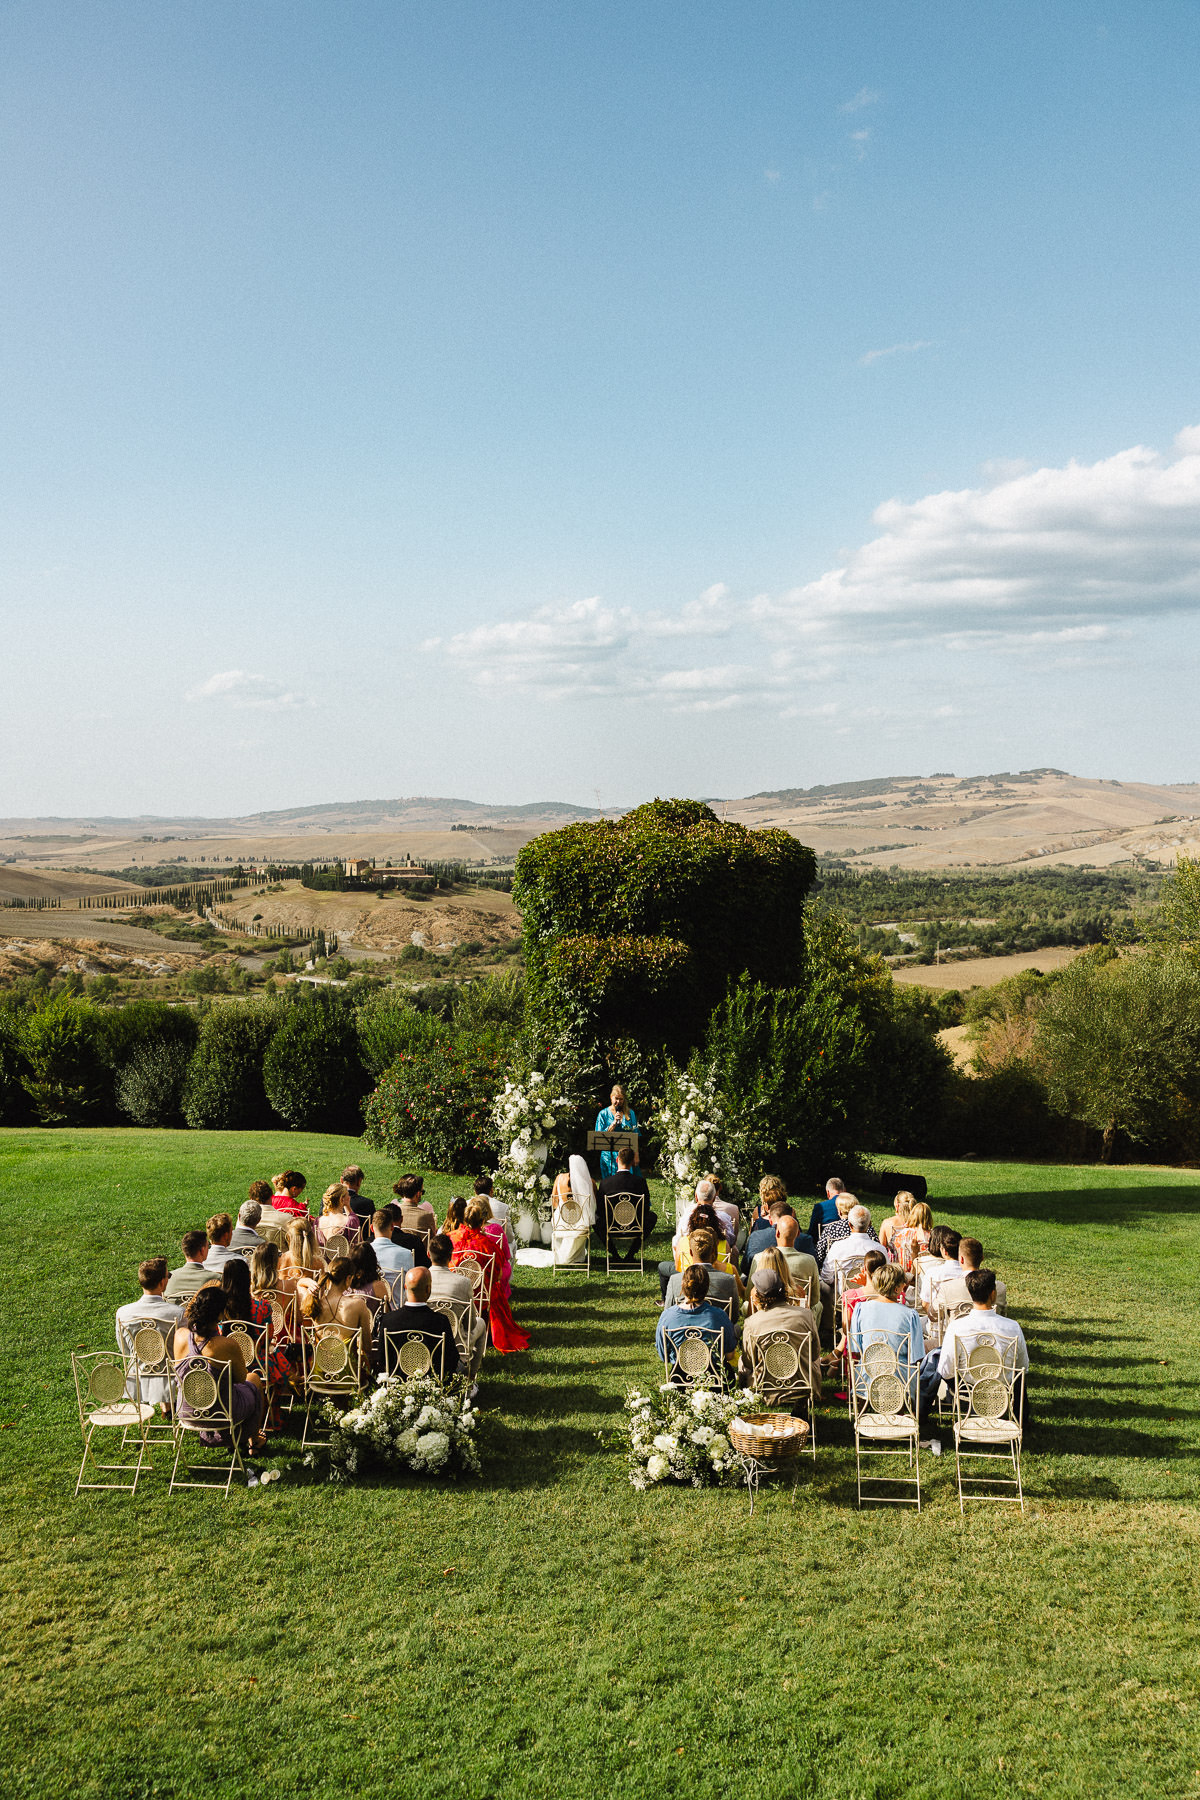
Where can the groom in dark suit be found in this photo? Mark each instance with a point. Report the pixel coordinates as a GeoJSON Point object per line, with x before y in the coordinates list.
{"type": "Point", "coordinates": [627, 1180]}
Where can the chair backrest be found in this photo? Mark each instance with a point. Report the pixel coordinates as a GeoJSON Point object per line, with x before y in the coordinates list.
{"type": "Point", "coordinates": [478, 1270]}
{"type": "Point", "coordinates": [331, 1357]}
{"type": "Point", "coordinates": [846, 1273]}
{"type": "Point", "coordinates": [459, 1313]}
{"type": "Point", "coordinates": [337, 1245]}
{"type": "Point", "coordinates": [282, 1321]}
{"type": "Point", "coordinates": [986, 1378]}
{"type": "Point", "coordinates": [251, 1340]}
{"type": "Point", "coordinates": [693, 1355]}
{"type": "Point", "coordinates": [885, 1379]}
{"type": "Point", "coordinates": [103, 1378]}
{"type": "Point", "coordinates": [272, 1234]}
{"type": "Point", "coordinates": [394, 1283]}
{"type": "Point", "coordinates": [781, 1365]}
{"type": "Point", "coordinates": [725, 1302]}
{"type": "Point", "coordinates": [205, 1391]}
{"type": "Point", "coordinates": [626, 1214]}
{"type": "Point", "coordinates": [149, 1346]}
{"type": "Point", "coordinates": [571, 1215]}
{"type": "Point", "coordinates": [413, 1353]}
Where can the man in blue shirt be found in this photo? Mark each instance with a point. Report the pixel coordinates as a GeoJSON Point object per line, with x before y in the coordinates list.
{"type": "Point", "coordinates": [825, 1211]}
{"type": "Point", "coordinates": [695, 1309]}
{"type": "Point", "coordinates": [391, 1257]}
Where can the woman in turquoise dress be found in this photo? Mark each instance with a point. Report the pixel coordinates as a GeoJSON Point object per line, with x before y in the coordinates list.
{"type": "Point", "coordinates": [618, 1115]}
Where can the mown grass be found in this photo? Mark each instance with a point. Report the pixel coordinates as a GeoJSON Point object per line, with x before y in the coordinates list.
{"type": "Point", "coordinates": [550, 1632]}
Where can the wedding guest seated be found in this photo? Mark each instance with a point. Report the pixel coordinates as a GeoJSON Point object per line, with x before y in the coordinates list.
{"type": "Point", "coordinates": [883, 1318]}
{"type": "Point", "coordinates": [627, 1180]}
{"type": "Point", "coordinates": [261, 1194]}
{"type": "Point", "coordinates": [702, 1199]}
{"type": "Point", "coordinates": [841, 1228]}
{"type": "Point", "coordinates": [241, 1303]}
{"type": "Point", "coordinates": [184, 1282]}
{"type": "Point", "coordinates": [772, 1309]}
{"type": "Point", "coordinates": [366, 1279]}
{"type": "Point", "coordinates": [220, 1247]}
{"type": "Point", "coordinates": [485, 1188]}
{"type": "Point", "coordinates": [982, 1321]}
{"type": "Point", "coordinates": [338, 1218]}
{"type": "Point", "coordinates": [825, 1212]}
{"type": "Point", "coordinates": [857, 1241]}
{"type": "Point", "coordinates": [286, 1191]}
{"type": "Point", "coordinates": [481, 1237]}
{"type": "Point", "coordinates": [150, 1308]}
{"type": "Point", "coordinates": [416, 1214]}
{"type": "Point", "coordinates": [772, 1200]}
{"type": "Point", "coordinates": [415, 1242]}
{"type": "Point", "coordinates": [301, 1260]}
{"type": "Point", "coordinates": [352, 1180]}
{"type": "Point", "coordinates": [911, 1239]}
{"type": "Point", "coordinates": [417, 1315]}
{"type": "Point", "coordinates": [454, 1224]}
{"type": "Point", "coordinates": [729, 1215]}
{"type": "Point", "coordinates": [802, 1265]}
{"type": "Point", "coordinates": [723, 1283]}
{"type": "Point", "coordinates": [391, 1256]}
{"type": "Point", "coordinates": [267, 1277]}
{"type": "Point", "coordinates": [448, 1284]}
{"type": "Point", "coordinates": [797, 1291]}
{"type": "Point", "coordinates": [695, 1308]}
{"type": "Point", "coordinates": [864, 1289]}
{"type": "Point", "coordinates": [703, 1222]}
{"type": "Point", "coordinates": [245, 1237]}
{"type": "Point", "coordinates": [953, 1291]}
{"type": "Point", "coordinates": [896, 1220]}
{"type": "Point", "coordinates": [949, 1269]}
{"type": "Point", "coordinates": [199, 1334]}
{"type": "Point", "coordinates": [925, 1262]}
{"type": "Point", "coordinates": [332, 1301]}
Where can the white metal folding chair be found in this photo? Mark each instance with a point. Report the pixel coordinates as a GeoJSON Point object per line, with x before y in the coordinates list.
{"type": "Point", "coordinates": [988, 1392]}
{"type": "Point", "coordinates": [335, 1246]}
{"type": "Point", "coordinates": [461, 1314]}
{"type": "Point", "coordinates": [781, 1371]}
{"type": "Point", "coordinates": [627, 1224]}
{"type": "Point", "coordinates": [149, 1346]}
{"type": "Point", "coordinates": [478, 1270]}
{"type": "Point", "coordinates": [883, 1388]}
{"type": "Point", "coordinates": [204, 1402]}
{"type": "Point", "coordinates": [332, 1370]}
{"type": "Point", "coordinates": [692, 1355]}
{"type": "Point", "coordinates": [109, 1397]}
{"type": "Point", "coordinates": [570, 1237]}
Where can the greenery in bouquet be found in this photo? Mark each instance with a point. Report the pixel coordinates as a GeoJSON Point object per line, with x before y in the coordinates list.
{"type": "Point", "coordinates": [695, 1140]}
{"type": "Point", "coordinates": [420, 1426]}
{"type": "Point", "coordinates": [679, 1434]}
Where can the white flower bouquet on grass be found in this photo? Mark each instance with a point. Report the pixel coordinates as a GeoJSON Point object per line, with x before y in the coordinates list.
{"type": "Point", "coordinates": [416, 1425]}
{"type": "Point", "coordinates": [679, 1434]}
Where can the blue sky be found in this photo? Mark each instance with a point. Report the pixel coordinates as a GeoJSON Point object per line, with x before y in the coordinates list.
{"type": "Point", "coordinates": [520, 401]}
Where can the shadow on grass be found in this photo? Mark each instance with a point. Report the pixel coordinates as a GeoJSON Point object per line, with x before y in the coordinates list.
{"type": "Point", "coordinates": [1134, 1208]}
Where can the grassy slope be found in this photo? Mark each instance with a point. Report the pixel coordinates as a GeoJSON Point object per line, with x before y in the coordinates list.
{"type": "Point", "coordinates": [551, 1631]}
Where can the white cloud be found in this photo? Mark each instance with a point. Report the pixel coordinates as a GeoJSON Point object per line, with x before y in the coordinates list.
{"type": "Point", "coordinates": [864, 97]}
{"type": "Point", "coordinates": [578, 648]}
{"type": "Point", "coordinates": [1053, 550]}
{"type": "Point", "coordinates": [872, 356]}
{"type": "Point", "coordinates": [860, 140]}
{"type": "Point", "coordinates": [1045, 562]}
{"type": "Point", "coordinates": [258, 693]}
{"type": "Point", "coordinates": [771, 174]}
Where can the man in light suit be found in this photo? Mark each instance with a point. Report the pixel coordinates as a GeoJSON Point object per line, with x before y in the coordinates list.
{"type": "Point", "coordinates": [245, 1237]}
{"type": "Point", "coordinates": [448, 1284]}
{"type": "Point", "coordinates": [151, 1308]}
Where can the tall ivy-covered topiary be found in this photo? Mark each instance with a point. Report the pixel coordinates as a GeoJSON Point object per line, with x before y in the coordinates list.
{"type": "Point", "coordinates": [637, 925]}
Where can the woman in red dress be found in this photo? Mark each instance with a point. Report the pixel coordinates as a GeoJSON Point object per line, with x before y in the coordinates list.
{"type": "Point", "coordinates": [483, 1237]}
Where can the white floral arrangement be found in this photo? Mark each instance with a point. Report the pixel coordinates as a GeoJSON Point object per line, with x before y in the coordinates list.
{"type": "Point", "coordinates": [418, 1425]}
{"type": "Point", "coordinates": [679, 1434]}
{"type": "Point", "coordinates": [530, 1119]}
{"type": "Point", "coordinates": [691, 1128]}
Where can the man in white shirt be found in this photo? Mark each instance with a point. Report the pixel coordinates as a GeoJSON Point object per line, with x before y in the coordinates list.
{"type": "Point", "coordinates": [839, 1253]}
{"type": "Point", "coordinates": [982, 1321]}
{"type": "Point", "coordinates": [447, 1284]}
{"type": "Point", "coordinates": [953, 1292]}
{"type": "Point", "coordinates": [390, 1257]}
{"type": "Point", "coordinates": [949, 1269]}
{"type": "Point", "coordinates": [153, 1308]}
{"type": "Point", "coordinates": [220, 1246]}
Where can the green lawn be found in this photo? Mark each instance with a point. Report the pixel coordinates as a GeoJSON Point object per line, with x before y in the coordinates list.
{"type": "Point", "coordinates": [550, 1632]}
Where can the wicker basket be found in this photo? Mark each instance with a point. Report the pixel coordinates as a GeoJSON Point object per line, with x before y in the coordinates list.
{"type": "Point", "coordinates": [787, 1437]}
